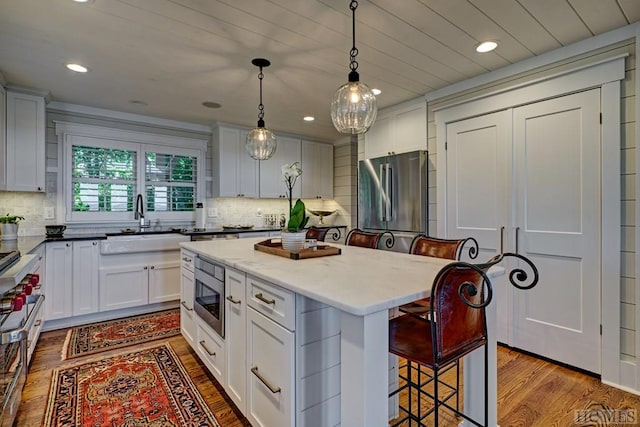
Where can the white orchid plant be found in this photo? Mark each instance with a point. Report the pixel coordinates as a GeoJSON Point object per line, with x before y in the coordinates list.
{"type": "Point", "coordinates": [297, 213]}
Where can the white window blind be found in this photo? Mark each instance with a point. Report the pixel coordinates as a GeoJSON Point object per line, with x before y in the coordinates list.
{"type": "Point", "coordinates": [170, 181]}
{"type": "Point", "coordinates": [103, 179]}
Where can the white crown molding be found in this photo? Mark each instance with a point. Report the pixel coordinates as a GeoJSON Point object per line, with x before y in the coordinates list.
{"type": "Point", "coordinates": [129, 117]}
{"type": "Point", "coordinates": [28, 91]}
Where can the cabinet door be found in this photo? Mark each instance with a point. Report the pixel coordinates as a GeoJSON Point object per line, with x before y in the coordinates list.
{"type": "Point", "coordinates": [237, 171]}
{"type": "Point", "coordinates": [235, 335]}
{"type": "Point", "coordinates": [86, 255]}
{"type": "Point", "coordinates": [58, 289]}
{"type": "Point", "coordinates": [123, 286]}
{"type": "Point", "coordinates": [270, 372]}
{"type": "Point", "coordinates": [380, 138]}
{"type": "Point", "coordinates": [411, 129]}
{"type": "Point", "coordinates": [25, 163]}
{"type": "Point", "coordinates": [316, 181]}
{"type": "Point", "coordinates": [187, 315]}
{"type": "Point", "coordinates": [164, 281]}
{"type": "Point", "coordinates": [271, 182]}
{"type": "Point", "coordinates": [248, 170]}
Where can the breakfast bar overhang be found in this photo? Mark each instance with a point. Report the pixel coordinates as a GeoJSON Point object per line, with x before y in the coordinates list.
{"type": "Point", "coordinates": [363, 284]}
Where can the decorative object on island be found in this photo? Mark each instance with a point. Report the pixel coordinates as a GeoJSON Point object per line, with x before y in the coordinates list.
{"type": "Point", "coordinates": [270, 246]}
{"type": "Point", "coordinates": [293, 236]}
{"type": "Point", "coordinates": [9, 226]}
{"type": "Point", "coordinates": [261, 142]}
{"type": "Point", "coordinates": [320, 213]}
{"type": "Point", "coordinates": [353, 108]}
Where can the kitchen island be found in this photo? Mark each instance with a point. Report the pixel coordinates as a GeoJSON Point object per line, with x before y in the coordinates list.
{"type": "Point", "coordinates": [362, 285]}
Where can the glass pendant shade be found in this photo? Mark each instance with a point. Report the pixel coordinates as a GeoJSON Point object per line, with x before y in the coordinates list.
{"type": "Point", "coordinates": [353, 108]}
{"type": "Point", "coordinates": [260, 143]}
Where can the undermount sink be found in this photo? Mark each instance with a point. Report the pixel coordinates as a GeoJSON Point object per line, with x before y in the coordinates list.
{"type": "Point", "coordinates": [127, 243]}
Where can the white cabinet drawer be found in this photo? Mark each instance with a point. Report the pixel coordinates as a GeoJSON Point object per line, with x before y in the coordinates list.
{"type": "Point", "coordinates": [210, 348]}
{"type": "Point", "coordinates": [277, 303]}
{"type": "Point", "coordinates": [270, 373]}
{"type": "Point", "coordinates": [186, 259]}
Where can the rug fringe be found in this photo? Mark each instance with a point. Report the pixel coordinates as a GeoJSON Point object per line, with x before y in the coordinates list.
{"type": "Point", "coordinates": [65, 346]}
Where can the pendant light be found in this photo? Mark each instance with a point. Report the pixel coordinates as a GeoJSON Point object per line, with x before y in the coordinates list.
{"type": "Point", "coordinates": [261, 142]}
{"type": "Point", "coordinates": [353, 108]}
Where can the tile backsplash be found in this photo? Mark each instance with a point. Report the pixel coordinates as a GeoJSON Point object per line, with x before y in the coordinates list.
{"type": "Point", "coordinates": [227, 210]}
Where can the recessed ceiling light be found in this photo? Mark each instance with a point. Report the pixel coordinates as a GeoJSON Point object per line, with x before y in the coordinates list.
{"type": "Point", "coordinates": [83, 1]}
{"type": "Point", "coordinates": [376, 92]}
{"type": "Point", "coordinates": [309, 118]}
{"type": "Point", "coordinates": [210, 104]}
{"type": "Point", "coordinates": [77, 68]}
{"type": "Point", "coordinates": [487, 46]}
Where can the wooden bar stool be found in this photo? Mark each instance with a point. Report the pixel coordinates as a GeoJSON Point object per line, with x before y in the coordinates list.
{"type": "Point", "coordinates": [368, 239]}
{"type": "Point", "coordinates": [459, 295]}
{"type": "Point", "coordinates": [317, 233]}
{"type": "Point", "coordinates": [455, 326]}
{"type": "Point", "coordinates": [439, 248]}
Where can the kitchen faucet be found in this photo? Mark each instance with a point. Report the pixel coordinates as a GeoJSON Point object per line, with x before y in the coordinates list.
{"type": "Point", "coordinates": [139, 214]}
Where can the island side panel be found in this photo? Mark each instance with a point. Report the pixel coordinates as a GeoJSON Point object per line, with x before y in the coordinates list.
{"type": "Point", "coordinates": [364, 353]}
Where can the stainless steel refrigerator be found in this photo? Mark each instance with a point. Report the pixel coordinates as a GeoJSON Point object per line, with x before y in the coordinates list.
{"type": "Point", "coordinates": [392, 193]}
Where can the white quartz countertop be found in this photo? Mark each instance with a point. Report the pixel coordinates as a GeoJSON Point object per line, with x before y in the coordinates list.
{"type": "Point", "coordinates": [360, 281]}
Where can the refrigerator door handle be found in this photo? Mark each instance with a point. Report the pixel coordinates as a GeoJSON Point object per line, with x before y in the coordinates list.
{"type": "Point", "coordinates": [389, 192]}
{"type": "Point", "coordinates": [381, 198]}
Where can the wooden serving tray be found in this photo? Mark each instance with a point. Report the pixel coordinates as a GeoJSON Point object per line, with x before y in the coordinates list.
{"type": "Point", "coordinates": [275, 248]}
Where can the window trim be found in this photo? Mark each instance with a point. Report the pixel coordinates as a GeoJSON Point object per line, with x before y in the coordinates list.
{"type": "Point", "coordinates": [79, 134]}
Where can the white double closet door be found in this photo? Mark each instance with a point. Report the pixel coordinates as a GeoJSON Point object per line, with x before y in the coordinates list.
{"type": "Point", "coordinates": [527, 180]}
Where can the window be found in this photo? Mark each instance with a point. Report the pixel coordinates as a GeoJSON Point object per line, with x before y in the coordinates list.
{"type": "Point", "coordinates": [103, 179]}
{"type": "Point", "coordinates": [104, 173]}
{"type": "Point", "coordinates": [171, 182]}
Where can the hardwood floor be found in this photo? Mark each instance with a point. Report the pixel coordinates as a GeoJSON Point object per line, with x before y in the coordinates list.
{"type": "Point", "coordinates": [531, 392]}
{"type": "Point", "coordinates": [47, 357]}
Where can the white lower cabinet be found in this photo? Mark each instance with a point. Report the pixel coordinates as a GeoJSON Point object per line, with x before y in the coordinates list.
{"type": "Point", "coordinates": [71, 269]}
{"type": "Point", "coordinates": [187, 293]}
{"type": "Point", "coordinates": [235, 336]}
{"type": "Point", "coordinates": [211, 349]}
{"type": "Point", "coordinates": [139, 278]}
{"type": "Point", "coordinates": [270, 383]}
{"type": "Point", "coordinates": [279, 360]}
{"type": "Point", "coordinates": [125, 286]}
{"type": "Point", "coordinates": [86, 259]}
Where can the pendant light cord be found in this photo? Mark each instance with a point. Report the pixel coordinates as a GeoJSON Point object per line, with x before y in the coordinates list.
{"type": "Point", "coordinates": [260, 106]}
{"type": "Point", "coordinates": [353, 64]}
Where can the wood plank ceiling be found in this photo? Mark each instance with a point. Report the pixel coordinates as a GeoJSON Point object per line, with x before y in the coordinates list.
{"type": "Point", "coordinates": [174, 54]}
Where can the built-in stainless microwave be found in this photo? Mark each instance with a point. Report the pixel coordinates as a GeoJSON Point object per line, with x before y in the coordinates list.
{"type": "Point", "coordinates": [209, 293]}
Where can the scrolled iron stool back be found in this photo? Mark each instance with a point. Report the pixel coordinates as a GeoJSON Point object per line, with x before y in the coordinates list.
{"type": "Point", "coordinates": [451, 330]}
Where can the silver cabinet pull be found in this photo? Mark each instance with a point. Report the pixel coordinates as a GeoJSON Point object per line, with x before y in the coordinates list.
{"type": "Point", "coordinates": [273, 389]}
{"type": "Point", "coordinates": [264, 300]}
{"type": "Point", "coordinates": [184, 304]}
{"type": "Point", "coordinates": [502, 239]}
{"type": "Point", "coordinates": [206, 349]}
{"type": "Point", "coordinates": [233, 301]}
{"type": "Point", "coordinates": [517, 240]}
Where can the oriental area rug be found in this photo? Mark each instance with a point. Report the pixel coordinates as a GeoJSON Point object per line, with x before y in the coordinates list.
{"type": "Point", "coordinates": [97, 337]}
{"type": "Point", "coordinates": [149, 387]}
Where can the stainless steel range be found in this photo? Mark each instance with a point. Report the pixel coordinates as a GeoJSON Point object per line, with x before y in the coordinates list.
{"type": "Point", "coordinates": [21, 303]}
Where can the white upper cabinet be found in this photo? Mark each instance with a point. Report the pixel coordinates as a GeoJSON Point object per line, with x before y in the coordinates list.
{"type": "Point", "coordinates": [23, 151]}
{"type": "Point", "coordinates": [317, 170]}
{"type": "Point", "coordinates": [235, 173]}
{"type": "Point", "coordinates": [399, 130]}
{"type": "Point", "coordinates": [271, 182]}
